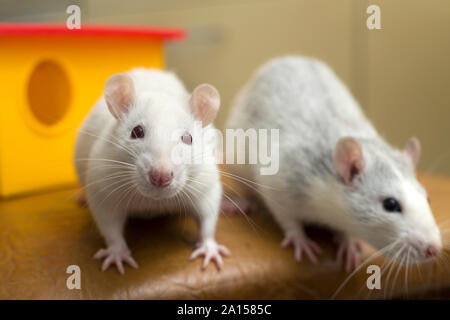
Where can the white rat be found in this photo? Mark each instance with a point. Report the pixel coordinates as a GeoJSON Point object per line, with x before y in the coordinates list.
{"type": "Point", "coordinates": [335, 170]}
{"type": "Point", "coordinates": [126, 164]}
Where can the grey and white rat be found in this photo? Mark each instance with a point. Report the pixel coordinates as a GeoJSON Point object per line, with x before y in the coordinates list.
{"type": "Point", "coordinates": [334, 168]}
{"type": "Point", "coordinates": [125, 159]}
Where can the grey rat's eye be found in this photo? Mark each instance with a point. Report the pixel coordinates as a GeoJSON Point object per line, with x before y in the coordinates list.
{"type": "Point", "coordinates": [186, 138]}
{"type": "Point", "coordinates": [391, 205]}
{"type": "Point", "coordinates": [137, 132]}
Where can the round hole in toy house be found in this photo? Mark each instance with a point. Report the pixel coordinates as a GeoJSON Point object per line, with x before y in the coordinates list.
{"type": "Point", "coordinates": [48, 92]}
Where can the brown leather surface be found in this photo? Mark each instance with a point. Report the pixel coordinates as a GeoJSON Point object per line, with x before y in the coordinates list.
{"type": "Point", "coordinates": [43, 234]}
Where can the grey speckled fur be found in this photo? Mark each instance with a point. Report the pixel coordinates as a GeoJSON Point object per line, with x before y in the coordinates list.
{"type": "Point", "coordinates": [313, 109]}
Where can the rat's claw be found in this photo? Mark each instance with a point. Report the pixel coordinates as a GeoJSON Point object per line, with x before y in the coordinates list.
{"type": "Point", "coordinates": [116, 255]}
{"type": "Point", "coordinates": [101, 254]}
{"type": "Point", "coordinates": [348, 253]}
{"type": "Point", "coordinates": [223, 250]}
{"type": "Point", "coordinates": [131, 262]}
{"type": "Point", "coordinates": [211, 251]}
{"type": "Point", "coordinates": [302, 245]}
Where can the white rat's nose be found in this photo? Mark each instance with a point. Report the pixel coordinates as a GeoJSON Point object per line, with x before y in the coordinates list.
{"type": "Point", "coordinates": [161, 178]}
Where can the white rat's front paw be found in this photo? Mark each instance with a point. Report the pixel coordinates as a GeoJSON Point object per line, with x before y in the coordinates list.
{"type": "Point", "coordinates": [348, 253]}
{"type": "Point", "coordinates": [210, 250]}
{"type": "Point", "coordinates": [116, 255]}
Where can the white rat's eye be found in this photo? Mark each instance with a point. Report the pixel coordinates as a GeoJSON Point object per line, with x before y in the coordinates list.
{"type": "Point", "coordinates": [186, 138]}
{"type": "Point", "coordinates": [391, 205]}
{"type": "Point", "coordinates": [137, 132]}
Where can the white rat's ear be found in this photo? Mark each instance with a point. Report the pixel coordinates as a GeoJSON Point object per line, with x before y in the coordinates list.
{"type": "Point", "coordinates": [205, 103]}
{"type": "Point", "coordinates": [413, 150]}
{"type": "Point", "coordinates": [348, 159]}
{"type": "Point", "coordinates": [119, 94]}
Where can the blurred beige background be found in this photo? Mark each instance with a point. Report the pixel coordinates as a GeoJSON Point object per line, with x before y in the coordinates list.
{"type": "Point", "coordinates": [400, 74]}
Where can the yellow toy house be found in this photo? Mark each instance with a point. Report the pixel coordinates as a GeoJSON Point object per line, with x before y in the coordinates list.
{"type": "Point", "coordinates": [50, 77]}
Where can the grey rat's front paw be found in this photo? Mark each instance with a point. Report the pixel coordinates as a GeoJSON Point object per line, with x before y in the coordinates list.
{"type": "Point", "coordinates": [348, 253]}
{"type": "Point", "coordinates": [302, 245]}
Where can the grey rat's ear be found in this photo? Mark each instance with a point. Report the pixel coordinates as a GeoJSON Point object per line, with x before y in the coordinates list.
{"type": "Point", "coordinates": [205, 103]}
{"type": "Point", "coordinates": [412, 150]}
{"type": "Point", "coordinates": [119, 94]}
{"type": "Point", "coordinates": [348, 159]}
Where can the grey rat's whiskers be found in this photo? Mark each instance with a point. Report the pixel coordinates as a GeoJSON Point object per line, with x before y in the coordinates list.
{"type": "Point", "coordinates": [406, 272]}
{"type": "Point", "coordinates": [364, 285]}
{"type": "Point", "coordinates": [387, 269]}
{"type": "Point", "coordinates": [387, 248]}
{"type": "Point", "coordinates": [397, 273]}
{"type": "Point", "coordinates": [419, 272]}
{"type": "Point", "coordinates": [391, 269]}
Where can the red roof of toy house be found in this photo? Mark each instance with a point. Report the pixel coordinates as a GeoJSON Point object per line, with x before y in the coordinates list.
{"type": "Point", "coordinates": [90, 29]}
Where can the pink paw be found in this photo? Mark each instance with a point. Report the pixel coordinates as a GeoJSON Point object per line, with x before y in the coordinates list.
{"type": "Point", "coordinates": [116, 255]}
{"type": "Point", "coordinates": [348, 253]}
{"type": "Point", "coordinates": [80, 198]}
{"type": "Point", "coordinates": [238, 206]}
{"type": "Point", "coordinates": [210, 250]}
{"type": "Point", "coordinates": [302, 245]}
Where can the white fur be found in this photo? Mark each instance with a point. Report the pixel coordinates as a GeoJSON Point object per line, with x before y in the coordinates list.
{"type": "Point", "coordinates": [113, 169]}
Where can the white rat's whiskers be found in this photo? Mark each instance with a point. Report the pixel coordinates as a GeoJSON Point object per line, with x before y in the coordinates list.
{"type": "Point", "coordinates": [127, 183]}
{"type": "Point", "coordinates": [111, 178]}
{"type": "Point", "coordinates": [246, 182]}
{"type": "Point", "coordinates": [126, 164]}
{"type": "Point", "coordinates": [131, 194]}
{"type": "Point", "coordinates": [181, 204]}
{"type": "Point", "coordinates": [249, 220]}
{"type": "Point", "coordinates": [115, 143]}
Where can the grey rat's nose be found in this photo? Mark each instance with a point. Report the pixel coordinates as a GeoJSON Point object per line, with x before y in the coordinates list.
{"type": "Point", "coordinates": [161, 178]}
{"type": "Point", "coordinates": [431, 251]}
